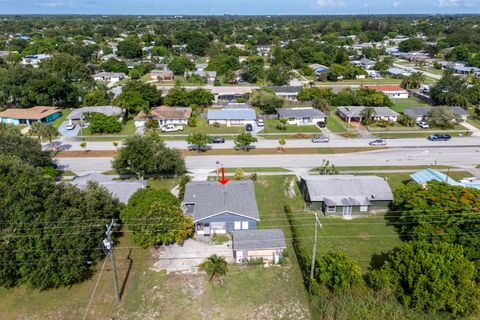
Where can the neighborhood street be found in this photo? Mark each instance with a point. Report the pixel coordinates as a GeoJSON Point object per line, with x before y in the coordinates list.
{"type": "Point", "coordinates": [296, 143]}
{"type": "Point", "coordinates": [454, 156]}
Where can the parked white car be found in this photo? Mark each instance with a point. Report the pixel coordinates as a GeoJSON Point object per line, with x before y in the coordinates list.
{"type": "Point", "coordinates": [260, 123]}
{"type": "Point", "coordinates": [71, 126]}
{"type": "Point", "coordinates": [423, 125]}
{"type": "Point", "coordinates": [171, 128]}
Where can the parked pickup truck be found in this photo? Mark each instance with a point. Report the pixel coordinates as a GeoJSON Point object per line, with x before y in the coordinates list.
{"type": "Point", "coordinates": [171, 128]}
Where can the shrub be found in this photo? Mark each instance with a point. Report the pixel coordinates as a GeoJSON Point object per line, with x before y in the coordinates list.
{"type": "Point", "coordinates": [219, 239]}
{"type": "Point", "coordinates": [100, 123]}
{"type": "Point", "coordinates": [151, 124]}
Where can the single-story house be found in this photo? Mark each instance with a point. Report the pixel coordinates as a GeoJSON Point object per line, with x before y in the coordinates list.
{"type": "Point", "coordinates": [17, 116]}
{"type": "Point", "coordinates": [232, 93]}
{"type": "Point", "coordinates": [392, 91]}
{"type": "Point", "coordinates": [287, 92]}
{"type": "Point", "coordinates": [208, 76]}
{"type": "Point", "coordinates": [319, 68]}
{"type": "Point", "coordinates": [346, 195]}
{"type": "Point", "coordinates": [421, 113]}
{"type": "Point", "coordinates": [301, 116]}
{"type": "Point", "coordinates": [354, 114]}
{"type": "Point", "coordinates": [373, 73]}
{"type": "Point", "coordinates": [231, 116]}
{"type": "Point", "coordinates": [424, 176]}
{"type": "Point", "coordinates": [398, 72]}
{"type": "Point", "coordinates": [164, 115]}
{"type": "Point", "coordinates": [77, 114]}
{"type": "Point", "coordinates": [35, 59]}
{"type": "Point", "coordinates": [266, 244]}
{"type": "Point", "coordinates": [162, 75]}
{"type": "Point", "coordinates": [365, 63]}
{"type": "Point", "coordinates": [218, 208]}
{"type": "Point", "coordinates": [463, 69]}
{"type": "Point", "coordinates": [121, 189]}
{"type": "Point", "coordinates": [111, 77]}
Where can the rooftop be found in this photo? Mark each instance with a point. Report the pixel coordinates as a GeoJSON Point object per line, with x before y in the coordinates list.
{"type": "Point", "coordinates": [416, 112]}
{"type": "Point", "coordinates": [164, 112]}
{"type": "Point", "coordinates": [387, 88]}
{"type": "Point", "coordinates": [34, 113]}
{"type": "Point", "coordinates": [287, 89]}
{"type": "Point", "coordinates": [231, 114]}
{"type": "Point", "coordinates": [356, 111]}
{"type": "Point", "coordinates": [427, 175]}
{"type": "Point", "coordinates": [254, 239]}
{"type": "Point", "coordinates": [106, 110]}
{"type": "Point", "coordinates": [208, 198]}
{"type": "Point", "coordinates": [299, 112]}
{"type": "Point", "coordinates": [347, 189]}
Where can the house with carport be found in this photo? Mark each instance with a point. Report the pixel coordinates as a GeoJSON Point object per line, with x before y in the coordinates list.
{"type": "Point", "coordinates": [346, 195]}
{"type": "Point", "coordinates": [218, 208]}
{"type": "Point", "coordinates": [355, 114]}
{"type": "Point", "coordinates": [421, 113]}
{"type": "Point", "coordinates": [231, 116]}
{"type": "Point", "coordinates": [164, 115]}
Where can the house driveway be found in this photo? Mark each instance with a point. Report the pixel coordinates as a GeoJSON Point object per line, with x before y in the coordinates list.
{"type": "Point", "coordinates": [186, 258]}
{"type": "Point", "coordinates": [68, 133]}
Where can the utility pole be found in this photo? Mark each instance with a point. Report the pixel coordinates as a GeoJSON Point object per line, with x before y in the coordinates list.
{"type": "Point", "coordinates": [109, 250]}
{"type": "Point", "coordinates": [314, 249]}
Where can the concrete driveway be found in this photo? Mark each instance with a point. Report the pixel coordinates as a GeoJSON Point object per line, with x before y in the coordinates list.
{"type": "Point", "coordinates": [186, 258]}
{"type": "Point", "coordinates": [68, 133]}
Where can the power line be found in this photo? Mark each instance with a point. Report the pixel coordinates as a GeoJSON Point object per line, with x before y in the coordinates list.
{"type": "Point", "coordinates": [94, 290]}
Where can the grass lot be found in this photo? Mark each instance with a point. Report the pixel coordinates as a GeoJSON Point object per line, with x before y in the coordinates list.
{"type": "Point", "coordinates": [164, 183]}
{"type": "Point", "coordinates": [261, 151]}
{"type": "Point", "coordinates": [335, 124]}
{"type": "Point", "coordinates": [373, 168]}
{"type": "Point", "coordinates": [398, 135]}
{"type": "Point", "coordinates": [400, 104]}
{"type": "Point", "coordinates": [289, 136]}
{"type": "Point", "coordinates": [65, 112]}
{"type": "Point", "coordinates": [366, 81]}
{"type": "Point", "coordinates": [127, 129]}
{"type": "Point", "coordinates": [473, 118]}
{"type": "Point", "coordinates": [203, 127]}
{"type": "Point", "coordinates": [273, 169]}
{"type": "Point", "coordinates": [270, 128]}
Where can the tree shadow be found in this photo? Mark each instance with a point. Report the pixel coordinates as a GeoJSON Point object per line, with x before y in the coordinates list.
{"type": "Point", "coordinates": [127, 274]}
{"type": "Point", "coordinates": [377, 260]}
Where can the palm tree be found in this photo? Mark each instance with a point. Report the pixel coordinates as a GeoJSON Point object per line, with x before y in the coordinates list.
{"type": "Point", "coordinates": [36, 129]}
{"type": "Point", "coordinates": [368, 113]}
{"type": "Point", "coordinates": [413, 81]}
{"type": "Point", "coordinates": [49, 132]}
{"type": "Point", "coordinates": [216, 267]}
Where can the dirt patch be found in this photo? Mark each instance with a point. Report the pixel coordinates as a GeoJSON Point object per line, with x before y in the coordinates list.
{"type": "Point", "coordinates": [364, 236]}
{"type": "Point", "coordinates": [290, 190]}
{"type": "Point", "coordinates": [287, 310]}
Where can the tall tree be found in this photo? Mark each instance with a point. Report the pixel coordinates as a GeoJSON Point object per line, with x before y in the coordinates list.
{"type": "Point", "coordinates": [216, 268]}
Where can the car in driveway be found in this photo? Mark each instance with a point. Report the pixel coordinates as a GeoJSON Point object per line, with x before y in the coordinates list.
{"type": "Point", "coordinates": [260, 122]}
{"type": "Point", "coordinates": [439, 137]}
{"type": "Point", "coordinates": [71, 126]}
{"type": "Point", "coordinates": [423, 125]}
{"type": "Point", "coordinates": [248, 127]}
{"type": "Point", "coordinates": [218, 140]}
{"type": "Point", "coordinates": [320, 139]}
{"type": "Point", "coordinates": [378, 142]}
{"type": "Point", "coordinates": [321, 124]}
{"type": "Point", "coordinates": [194, 147]}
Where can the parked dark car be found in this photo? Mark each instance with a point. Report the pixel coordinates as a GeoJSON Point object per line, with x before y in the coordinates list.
{"type": "Point", "coordinates": [321, 124]}
{"type": "Point", "coordinates": [249, 147]}
{"type": "Point", "coordinates": [218, 140]}
{"type": "Point", "coordinates": [378, 142]}
{"type": "Point", "coordinates": [439, 137]}
{"type": "Point", "coordinates": [194, 147]}
{"type": "Point", "coordinates": [248, 127]}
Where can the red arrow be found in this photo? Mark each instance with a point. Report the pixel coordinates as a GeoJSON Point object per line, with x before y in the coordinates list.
{"type": "Point", "coordinates": [223, 181]}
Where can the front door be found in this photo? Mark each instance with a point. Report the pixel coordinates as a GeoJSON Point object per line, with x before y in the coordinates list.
{"type": "Point", "coordinates": [347, 210]}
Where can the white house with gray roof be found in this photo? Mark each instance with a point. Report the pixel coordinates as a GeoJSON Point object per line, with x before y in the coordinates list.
{"type": "Point", "coordinates": [346, 195]}
{"type": "Point", "coordinates": [301, 116]}
{"type": "Point", "coordinates": [217, 208]}
{"type": "Point", "coordinates": [421, 113]}
{"type": "Point", "coordinates": [120, 189]}
{"type": "Point", "coordinates": [355, 114]}
{"type": "Point", "coordinates": [287, 92]}
{"type": "Point", "coordinates": [265, 244]}
{"type": "Point", "coordinates": [231, 116]}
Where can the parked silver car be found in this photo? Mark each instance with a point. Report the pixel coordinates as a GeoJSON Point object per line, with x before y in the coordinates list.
{"type": "Point", "coordinates": [320, 139]}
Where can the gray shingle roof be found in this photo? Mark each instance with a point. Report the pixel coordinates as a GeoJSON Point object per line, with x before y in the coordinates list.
{"type": "Point", "coordinates": [347, 189]}
{"type": "Point", "coordinates": [423, 111]}
{"type": "Point", "coordinates": [231, 114]}
{"type": "Point", "coordinates": [287, 89]}
{"type": "Point", "coordinates": [357, 111]}
{"type": "Point", "coordinates": [255, 239]}
{"type": "Point", "coordinates": [120, 189]}
{"type": "Point", "coordinates": [299, 112]}
{"type": "Point", "coordinates": [211, 198]}
{"type": "Point", "coordinates": [107, 110]}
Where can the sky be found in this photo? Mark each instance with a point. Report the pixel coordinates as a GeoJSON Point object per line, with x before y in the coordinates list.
{"type": "Point", "coordinates": [237, 7]}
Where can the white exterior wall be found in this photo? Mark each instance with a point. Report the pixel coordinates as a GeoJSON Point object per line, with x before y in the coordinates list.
{"type": "Point", "coordinates": [230, 123]}
{"type": "Point", "coordinates": [395, 95]}
{"type": "Point", "coordinates": [299, 121]}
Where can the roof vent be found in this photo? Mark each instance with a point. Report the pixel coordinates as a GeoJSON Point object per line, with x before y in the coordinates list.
{"type": "Point", "coordinates": [372, 196]}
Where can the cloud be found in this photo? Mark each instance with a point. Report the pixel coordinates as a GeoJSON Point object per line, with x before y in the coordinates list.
{"type": "Point", "coordinates": [331, 3]}
{"type": "Point", "coordinates": [447, 3]}
{"type": "Point", "coordinates": [471, 3]}
{"type": "Point", "coordinates": [397, 4]}
{"type": "Point", "coordinates": [51, 4]}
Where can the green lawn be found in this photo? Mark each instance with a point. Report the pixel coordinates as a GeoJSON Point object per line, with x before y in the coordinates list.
{"type": "Point", "coordinates": [272, 169]}
{"type": "Point", "coordinates": [203, 127]}
{"type": "Point", "coordinates": [373, 168]}
{"type": "Point", "coordinates": [473, 118]}
{"type": "Point", "coordinates": [270, 128]}
{"type": "Point", "coordinates": [128, 128]}
{"type": "Point", "coordinates": [163, 183]}
{"type": "Point", "coordinates": [58, 122]}
{"type": "Point", "coordinates": [335, 124]}
{"type": "Point", "coordinates": [400, 104]}
{"type": "Point", "coordinates": [398, 135]}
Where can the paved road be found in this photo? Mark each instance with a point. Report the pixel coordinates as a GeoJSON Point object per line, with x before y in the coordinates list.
{"type": "Point", "coordinates": [413, 69]}
{"type": "Point", "coordinates": [460, 156]}
{"type": "Point", "coordinates": [299, 143]}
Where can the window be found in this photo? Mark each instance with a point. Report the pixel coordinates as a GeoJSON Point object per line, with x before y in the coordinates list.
{"type": "Point", "coordinates": [244, 225]}
{"type": "Point", "coordinates": [237, 225]}
{"type": "Point", "coordinates": [331, 208]}
{"type": "Point", "coordinates": [363, 208]}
